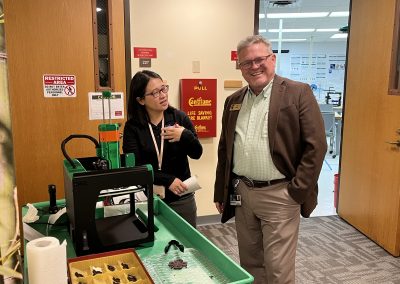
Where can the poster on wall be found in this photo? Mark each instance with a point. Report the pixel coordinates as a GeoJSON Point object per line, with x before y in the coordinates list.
{"type": "Point", "coordinates": [337, 67]}
{"type": "Point", "coordinates": [323, 72]}
{"type": "Point", "coordinates": [199, 102]}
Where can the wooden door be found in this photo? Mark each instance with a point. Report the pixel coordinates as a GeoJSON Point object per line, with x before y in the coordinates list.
{"type": "Point", "coordinates": [369, 177]}
{"type": "Point", "coordinates": [52, 37]}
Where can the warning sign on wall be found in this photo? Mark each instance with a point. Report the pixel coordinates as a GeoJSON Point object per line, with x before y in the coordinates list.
{"type": "Point", "coordinates": [59, 86]}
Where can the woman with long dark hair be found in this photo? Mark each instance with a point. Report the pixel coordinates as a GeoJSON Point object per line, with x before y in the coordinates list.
{"type": "Point", "coordinates": [163, 136]}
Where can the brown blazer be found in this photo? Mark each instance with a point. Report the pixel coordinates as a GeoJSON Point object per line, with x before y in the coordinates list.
{"type": "Point", "coordinates": [296, 137]}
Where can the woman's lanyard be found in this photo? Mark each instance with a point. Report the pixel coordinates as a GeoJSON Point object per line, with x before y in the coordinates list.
{"type": "Point", "coordinates": [159, 153]}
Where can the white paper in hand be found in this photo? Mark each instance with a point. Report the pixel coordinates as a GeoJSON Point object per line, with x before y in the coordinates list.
{"type": "Point", "coordinates": [192, 185]}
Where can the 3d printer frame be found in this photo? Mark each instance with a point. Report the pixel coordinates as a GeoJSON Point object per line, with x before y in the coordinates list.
{"type": "Point", "coordinates": [82, 192]}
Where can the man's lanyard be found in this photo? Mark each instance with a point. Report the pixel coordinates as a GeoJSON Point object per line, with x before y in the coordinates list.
{"type": "Point", "coordinates": [159, 153]}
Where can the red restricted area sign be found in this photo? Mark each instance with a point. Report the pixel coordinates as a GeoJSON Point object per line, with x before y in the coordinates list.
{"type": "Point", "coordinates": [56, 86]}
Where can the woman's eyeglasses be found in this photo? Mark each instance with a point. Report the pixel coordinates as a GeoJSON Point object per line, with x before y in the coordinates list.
{"type": "Point", "coordinates": [156, 93]}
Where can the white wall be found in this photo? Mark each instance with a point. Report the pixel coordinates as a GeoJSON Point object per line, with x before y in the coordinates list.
{"type": "Point", "coordinates": [184, 31]}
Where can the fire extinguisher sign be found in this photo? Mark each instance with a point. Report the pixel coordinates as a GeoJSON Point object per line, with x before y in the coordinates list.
{"type": "Point", "coordinates": [59, 86]}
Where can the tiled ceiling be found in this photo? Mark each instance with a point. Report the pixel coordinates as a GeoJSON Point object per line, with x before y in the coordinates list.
{"type": "Point", "coordinates": [300, 6]}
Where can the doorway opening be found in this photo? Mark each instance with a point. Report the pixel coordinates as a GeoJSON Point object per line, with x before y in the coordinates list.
{"type": "Point", "coordinates": [309, 38]}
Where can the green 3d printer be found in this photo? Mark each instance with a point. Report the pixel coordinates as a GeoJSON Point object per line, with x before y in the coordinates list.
{"type": "Point", "coordinates": [91, 181]}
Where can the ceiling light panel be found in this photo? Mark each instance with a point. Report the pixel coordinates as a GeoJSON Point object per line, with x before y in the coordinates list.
{"type": "Point", "coordinates": [327, 30]}
{"type": "Point", "coordinates": [297, 15]}
{"type": "Point", "coordinates": [287, 39]}
{"type": "Point", "coordinates": [339, 14]}
{"type": "Point", "coordinates": [291, 30]}
{"type": "Point", "coordinates": [339, 36]}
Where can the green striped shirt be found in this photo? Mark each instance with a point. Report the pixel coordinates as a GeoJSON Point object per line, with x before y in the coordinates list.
{"type": "Point", "coordinates": [252, 156]}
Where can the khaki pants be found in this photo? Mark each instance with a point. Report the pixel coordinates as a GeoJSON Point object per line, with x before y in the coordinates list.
{"type": "Point", "coordinates": [267, 225]}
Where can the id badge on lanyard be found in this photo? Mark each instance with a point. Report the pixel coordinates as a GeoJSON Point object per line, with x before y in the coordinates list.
{"type": "Point", "coordinates": [159, 190]}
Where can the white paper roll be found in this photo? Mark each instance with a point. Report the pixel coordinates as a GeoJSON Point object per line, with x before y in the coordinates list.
{"type": "Point", "coordinates": [47, 261]}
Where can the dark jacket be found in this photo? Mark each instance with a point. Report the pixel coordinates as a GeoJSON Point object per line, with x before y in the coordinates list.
{"type": "Point", "coordinates": [137, 139]}
{"type": "Point", "coordinates": [296, 137]}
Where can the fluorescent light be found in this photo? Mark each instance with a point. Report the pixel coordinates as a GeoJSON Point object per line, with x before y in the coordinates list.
{"type": "Point", "coordinates": [339, 36]}
{"type": "Point", "coordinates": [297, 15]}
{"type": "Point", "coordinates": [327, 30]}
{"type": "Point", "coordinates": [288, 39]}
{"type": "Point", "coordinates": [339, 14]}
{"type": "Point", "coordinates": [291, 30]}
{"type": "Point", "coordinates": [261, 16]}
{"type": "Point", "coordinates": [262, 30]}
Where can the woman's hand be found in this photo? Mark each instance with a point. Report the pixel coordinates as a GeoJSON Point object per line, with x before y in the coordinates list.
{"type": "Point", "coordinates": [172, 133]}
{"type": "Point", "coordinates": [177, 187]}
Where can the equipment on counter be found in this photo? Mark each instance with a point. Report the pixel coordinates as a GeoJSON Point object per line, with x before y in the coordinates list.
{"type": "Point", "coordinates": [333, 97]}
{"type": "Point", "coordinates": [109, 137]}
{"type": "Point", "coordinates": [53, 208]}
{"type": "Point", "coordinates": [90, 179]}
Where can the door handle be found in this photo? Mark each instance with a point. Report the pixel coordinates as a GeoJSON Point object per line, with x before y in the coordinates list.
{"type": "Point", "coordinates": [397, 143]}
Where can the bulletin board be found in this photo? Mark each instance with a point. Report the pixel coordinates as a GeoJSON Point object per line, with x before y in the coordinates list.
{"type": "Point", "coordinates": [321, 71]}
